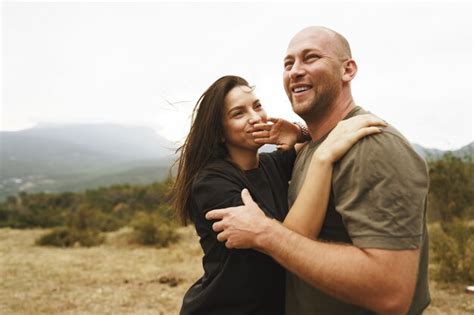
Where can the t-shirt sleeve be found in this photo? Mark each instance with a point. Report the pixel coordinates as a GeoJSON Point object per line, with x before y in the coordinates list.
{"type": "Point", "coordinates": [380, 189]}
{"type": "Point", "coordinates": [214, 191]}
{"type": "Point", "coordinates": [285, 161]}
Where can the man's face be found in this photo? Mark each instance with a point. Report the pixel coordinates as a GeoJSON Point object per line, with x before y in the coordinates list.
{"type": "Point", "coordinates": [313, 73]}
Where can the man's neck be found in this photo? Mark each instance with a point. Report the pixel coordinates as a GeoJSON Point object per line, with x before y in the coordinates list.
{"type": "Point", "coordinates": [325, 122]}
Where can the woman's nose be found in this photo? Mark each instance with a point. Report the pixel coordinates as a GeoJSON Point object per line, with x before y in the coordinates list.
{"type": "Point", "coordinates": [254, 117]}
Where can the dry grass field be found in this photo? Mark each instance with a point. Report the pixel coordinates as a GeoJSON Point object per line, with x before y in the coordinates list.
{"type": "Point", "coordinates": [118, 278]}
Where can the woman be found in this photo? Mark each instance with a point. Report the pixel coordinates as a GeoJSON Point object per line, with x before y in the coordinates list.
{"type": "Point", "coordinates": [218, 159]}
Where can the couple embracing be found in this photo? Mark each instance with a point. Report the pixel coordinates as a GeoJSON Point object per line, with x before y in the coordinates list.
{"type": "Point", "coordinates": [333, 222]}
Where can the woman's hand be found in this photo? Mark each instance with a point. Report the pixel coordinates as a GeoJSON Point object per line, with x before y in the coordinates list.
{"type": "Point", "coordinates": [280, 132]}
{"type": "Point", "coordinates": [346, 134]}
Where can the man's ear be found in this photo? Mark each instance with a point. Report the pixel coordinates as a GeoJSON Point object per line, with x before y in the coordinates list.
{"type": "Point", "coordinates": [350, 70]}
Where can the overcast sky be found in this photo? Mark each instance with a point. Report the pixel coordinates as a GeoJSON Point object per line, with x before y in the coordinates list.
{"type": "Point", "coordinates": [123, 62]}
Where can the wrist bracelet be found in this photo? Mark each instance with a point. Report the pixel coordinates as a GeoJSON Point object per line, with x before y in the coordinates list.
{"type": "Point", "coordinates": [305, 135]}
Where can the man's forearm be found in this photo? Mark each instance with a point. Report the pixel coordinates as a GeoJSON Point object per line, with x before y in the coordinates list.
{"type": "Point", "coordinates": [380, 280]}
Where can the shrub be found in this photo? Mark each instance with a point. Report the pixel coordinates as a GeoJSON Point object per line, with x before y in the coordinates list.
{"type": "Point", "coordinates": [451, 200]}
{"type": "Point", "coordinates": [67, 237]}
{"type": "Point", "coordinates": [153, 229]}
{"type": "Point", "coordinates": [86, 217]}
{"type": "Point", "coordinates": [453, 251]}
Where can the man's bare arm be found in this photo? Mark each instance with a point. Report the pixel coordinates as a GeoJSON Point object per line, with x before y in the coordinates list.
{"type": "Point", "coordinates": [380, 280]}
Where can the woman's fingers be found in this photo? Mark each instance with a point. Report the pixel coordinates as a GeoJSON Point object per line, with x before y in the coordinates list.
{"type": "Point", "coordinates": [261, 134]}
{"type": "Point", "coordinates": [361, 121]}
{"type": "Point", "coordinates": [355, 136]}
{"type": "Point", "coordinates": [363, 132]}
{"type": "Point", "coordinates": [347, 133]}
{"type": "Point", "coordinates": [273, 120]}
{"type": "Point", "coordinates": [372, 120]}
{"type": "Point", "coordinates": [263, 140]}
{"type": "Point", "coordinates": [260, 126]}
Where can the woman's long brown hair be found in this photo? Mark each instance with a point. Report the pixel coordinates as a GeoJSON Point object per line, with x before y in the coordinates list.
{"type": "Point", "coordinates": [203, 143]}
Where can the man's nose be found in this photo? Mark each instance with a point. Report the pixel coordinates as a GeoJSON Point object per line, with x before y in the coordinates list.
{"type": "Point", "coordinates": [296, 70]}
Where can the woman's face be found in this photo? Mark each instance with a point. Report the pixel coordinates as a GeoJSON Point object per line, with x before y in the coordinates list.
{"type": "Point", "coordinates": [242, 109]}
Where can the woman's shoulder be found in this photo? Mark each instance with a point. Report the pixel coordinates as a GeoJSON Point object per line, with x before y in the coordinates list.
{"type": "Point", "coordinates": [215, 172]}
{"type": "Point", "coordinates": [281, 158]}
{"type": "Point", "coordinates": [218, 185]}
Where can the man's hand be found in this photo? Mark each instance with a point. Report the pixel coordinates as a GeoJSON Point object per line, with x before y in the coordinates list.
{"type": "Point", "coordinates": [240, 226]}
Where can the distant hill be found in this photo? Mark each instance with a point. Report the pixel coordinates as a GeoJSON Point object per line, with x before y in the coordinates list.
{"type": "Point", "coordinates": [434, 154]}
{"type": "Point", "coordinates": [129, 142]}
{"type": "Point", "coordinates": [467, 150]}
{"type": "Point", "coordinates": [74, 157]}
{"type": "Point", "coordinates": [57, 158]}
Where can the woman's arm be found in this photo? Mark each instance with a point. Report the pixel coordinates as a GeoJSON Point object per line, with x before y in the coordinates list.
{"type": "Point", "coordinates": [309, 209]}
{"type": "Point", "coordinates": [307, 214]}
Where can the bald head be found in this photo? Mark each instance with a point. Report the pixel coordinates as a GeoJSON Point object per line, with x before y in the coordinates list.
{"type": "Point", "coordinates": [334, 41]}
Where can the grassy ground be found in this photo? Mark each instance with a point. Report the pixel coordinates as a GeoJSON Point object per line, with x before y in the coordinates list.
{"type": "Point", "coordinates": [117, 278]}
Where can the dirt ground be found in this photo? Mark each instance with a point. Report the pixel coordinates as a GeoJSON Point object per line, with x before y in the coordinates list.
{"type": "Point", "coordinates": [118, 278]}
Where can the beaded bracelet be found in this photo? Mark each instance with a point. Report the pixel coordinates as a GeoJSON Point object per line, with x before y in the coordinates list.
{"type": "Point", "coordinates": [305, 135]}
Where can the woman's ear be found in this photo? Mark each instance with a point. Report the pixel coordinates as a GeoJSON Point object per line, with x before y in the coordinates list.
{"type": "Point", "coordinates": [350, 70]}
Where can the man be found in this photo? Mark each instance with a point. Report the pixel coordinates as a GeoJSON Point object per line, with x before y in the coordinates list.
{"type": "Point", "coordinates": [372, 251]}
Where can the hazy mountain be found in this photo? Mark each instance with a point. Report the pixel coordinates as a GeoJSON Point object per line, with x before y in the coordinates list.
{"type": "Point", "coordinates": [72, 157]}
{"type": "Point", "coordinates": [57, 158]}
{"type": "Point", "coordinates": [23, 155]}
{"type": "Point", "coordinates": [434, 154]}
{"type": "Point", "coordinates": [467, 150]}
{"type": "Point", "coordinates": [428, 153]}
{"type": "Point", "coordinates": [121, 141]}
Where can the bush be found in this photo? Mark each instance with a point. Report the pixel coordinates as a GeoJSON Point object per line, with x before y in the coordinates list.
{"type": "Point", "coordinates": [153, 229]}
{"type": "Point", "coordinates": [86, 217]}
{"type": "Point", "coordinates": [67, 237]}
{"type": "Point", "coordinates": [450, 201]}
{"type": "Point", "coordinates": [453, 251]}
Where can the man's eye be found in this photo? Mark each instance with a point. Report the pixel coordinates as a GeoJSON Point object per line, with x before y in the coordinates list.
{"type": "Point", "coordinates": [312, 57]}
{"type": "Point", "coordinates": [258, 106]}
{"type": "Point", "coordinates": [287, 65]}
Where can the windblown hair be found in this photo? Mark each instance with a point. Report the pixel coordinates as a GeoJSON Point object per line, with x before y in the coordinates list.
{"type": "Point", "coordinates": [203, 143]}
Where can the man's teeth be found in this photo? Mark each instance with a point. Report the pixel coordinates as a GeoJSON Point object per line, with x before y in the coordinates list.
{"type": "Point", "coordinates": [300, 89]}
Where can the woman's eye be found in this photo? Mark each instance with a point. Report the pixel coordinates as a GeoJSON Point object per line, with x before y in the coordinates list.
{"type": "Point", "coordinates": [258, 106]}
{"type": "Point", "coordinates": [236, 114]}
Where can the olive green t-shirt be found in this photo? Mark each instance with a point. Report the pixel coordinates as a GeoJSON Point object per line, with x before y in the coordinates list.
{"type": "Point", "coordinates": [378, 200]}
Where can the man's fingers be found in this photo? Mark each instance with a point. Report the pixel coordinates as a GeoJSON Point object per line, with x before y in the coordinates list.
{"type": "Point", "coordinates": [246, 198]}
{"type": "Point", "coordinates": [217, 214]}
{"type": "Point", "coordinates": [222, 236]}
{"type": "Point", "coordinates": [218, 226]}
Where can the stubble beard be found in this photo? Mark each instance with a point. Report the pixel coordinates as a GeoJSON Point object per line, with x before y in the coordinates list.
{"type": "Point", "coordinates": [325, 97]}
